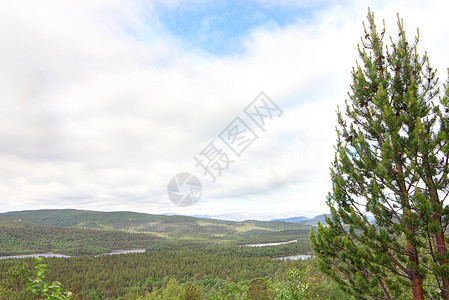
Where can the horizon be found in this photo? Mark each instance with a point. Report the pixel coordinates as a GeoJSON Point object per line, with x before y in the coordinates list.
{"type": "Point", "coordinates": [230, 217]}
{"type": "Point", "coordinates": [104, 104]}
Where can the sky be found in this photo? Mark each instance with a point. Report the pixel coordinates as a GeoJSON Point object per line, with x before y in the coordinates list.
{"type": "Point", "coordinates": [103, 103]}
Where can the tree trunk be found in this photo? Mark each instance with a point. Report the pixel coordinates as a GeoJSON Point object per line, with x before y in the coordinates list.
{"type": "Point", "coordinates": [441, 249]}
{"type": "Point", "coordinates": [415, 277]}
{"type": "Point", "coordinates": [417, 290]}
{"type": "Point", "coordinates": [440, 244]}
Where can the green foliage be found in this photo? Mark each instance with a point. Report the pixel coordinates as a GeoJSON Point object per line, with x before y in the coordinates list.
{"type": "Point", "coordinates": [191, 292]}
{"type": "Point", "coordinates": [222, 271]}
{"type": "Point", "coordinates": [51, 291]}
{"type": "Point", "coordinates": [172, 291]}
{"type": "Point", "coordinates": [391, 165]}
{"type": "Point", "coordinates": [232, 290]}
{"type": "Point", "coordinates": [66, 232]}
{"type": "Point", "coordinates": [184, 264]}
{"type": "Point", "coordinates": [172, 226]}
{"type": "Point", "coordinates": [24, 238]}
{"type": "Point", "coordinates": [297, 285]}
{"type": "Point", "coordinates": [13, 282]}
{"type": "Point", "coordinates": [121, 277]}
{"type": "Point", "coordinates": [259, 289]}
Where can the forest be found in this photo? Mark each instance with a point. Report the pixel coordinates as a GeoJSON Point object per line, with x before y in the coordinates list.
{"type": "Point", "coordinates": [74, 232]}
{"type": "Point", "coordinates": [185, 257]}
{"type": "Point", "coordinates": [206, 273]}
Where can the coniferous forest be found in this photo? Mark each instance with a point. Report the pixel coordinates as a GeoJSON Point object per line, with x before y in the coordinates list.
{"type": "Point", "coordinates": [185, 258]}
{"type": "Point", "coordinates": [215, 273]}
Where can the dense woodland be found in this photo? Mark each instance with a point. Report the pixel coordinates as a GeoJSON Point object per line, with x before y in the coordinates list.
{"type": "Point", "coordinates": [214, 273]}
{"type": "Point", "coordinates": [74, 232]}
{"type": "Point", "coordinates": [24, 238]}
{"type": "Point", "coordinates": [185, 258]}
{"type": "Point", "coordinates": [139, 222]}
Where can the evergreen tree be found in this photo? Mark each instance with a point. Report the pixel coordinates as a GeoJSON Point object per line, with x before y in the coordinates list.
{"type": "Point", "coordinates": [297, 286]}
{"type": "Point", "coordinates": [385, 237]}
{"type": "Point", "coordinates": [13, 283]}
{"type": "Point", "coordinates": [258, 289]}
{"type": "Point", "coordinates": [173, 290]}
{"type": "Point", "coordinates": [191, 292]}
{"type": "Point", "coordinates": [39, 287]}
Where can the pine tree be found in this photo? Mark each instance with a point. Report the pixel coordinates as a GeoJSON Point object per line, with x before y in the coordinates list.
{"type": "Point", "coordinates": [258, 289]}
{"type": "Point", "coordinates": [13, 283]}
{"type": "Point", "coordinates": [191, 292]}
{"type": "Point", "coordinates": [385, 236]}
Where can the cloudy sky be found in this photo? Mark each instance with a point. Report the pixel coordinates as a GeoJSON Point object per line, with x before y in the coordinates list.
{"type": "Point", "coordinates": [102, 102]}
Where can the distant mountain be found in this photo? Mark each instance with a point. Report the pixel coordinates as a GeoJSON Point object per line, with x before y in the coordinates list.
{"type": "Point", "coordinates": [168, 226]}
{"type": "Point", "coordinates": [292, 219]}
{"type": "Point", "coordinates": [313, 221]}
{"type": "Point", "coordinates": [242, 216]}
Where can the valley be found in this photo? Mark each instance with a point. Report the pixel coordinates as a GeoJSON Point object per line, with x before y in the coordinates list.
{"type": "Point", "coordinates": [162, 253]}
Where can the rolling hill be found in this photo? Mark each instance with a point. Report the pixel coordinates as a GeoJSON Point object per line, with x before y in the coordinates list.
{"type": "Point", "coordinates": [89, 232]}
{"type": "Point", "coordinates": [313, 221]}
{"type": "Point", "coordinates": [140, 222]}
{"type": "Point", "coordinates": [292, 219]}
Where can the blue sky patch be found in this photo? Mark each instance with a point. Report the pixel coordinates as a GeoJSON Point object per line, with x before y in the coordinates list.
{"type": "Point", "coordinates": [221, 27]}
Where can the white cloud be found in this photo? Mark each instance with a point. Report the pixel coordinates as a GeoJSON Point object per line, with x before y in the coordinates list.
{"type": "Point", "coordinates": [100, 105]}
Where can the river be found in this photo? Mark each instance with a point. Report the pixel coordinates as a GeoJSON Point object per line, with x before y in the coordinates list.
{"type": "Point", "coordinates": [271, 244]}
{"type": "Point", "coordinates": [296, 257]}
{"type": "Point", "coordinates": [60, 255]}
{"type": "Point", "coordinates": [34, 255]}
{"type": "Point", "coordinates": [292, 257]}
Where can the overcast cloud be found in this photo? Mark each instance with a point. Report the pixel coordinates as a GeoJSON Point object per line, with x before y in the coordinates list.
{"type": "Point", "coordinates": [102, 102]}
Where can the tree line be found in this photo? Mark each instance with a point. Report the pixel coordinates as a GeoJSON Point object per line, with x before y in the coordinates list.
{"type": "Point", "coordinates": [209, 273]}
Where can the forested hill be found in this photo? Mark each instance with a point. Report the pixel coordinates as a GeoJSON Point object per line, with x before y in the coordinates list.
{"type": "Point", "coordinates": [78, 231]}
{"type": "Point", "coordinates": [140, 222]}
{"type": "Point", "coordinates": [205, 251]}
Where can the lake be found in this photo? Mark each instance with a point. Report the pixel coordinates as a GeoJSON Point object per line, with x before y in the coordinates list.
{"type": "Point", "coordinates": [125, 251]}
{"type": "Point", "coordinates": [292, 257]}
{"type": "Point", "coordinates": [296, 257]}
{"type": "Point", "coordinates": [271, 244]}
{"type": "Point", "coordinates": [60, 255]}
{"type": "Point", "coordinates": [34, 255]}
